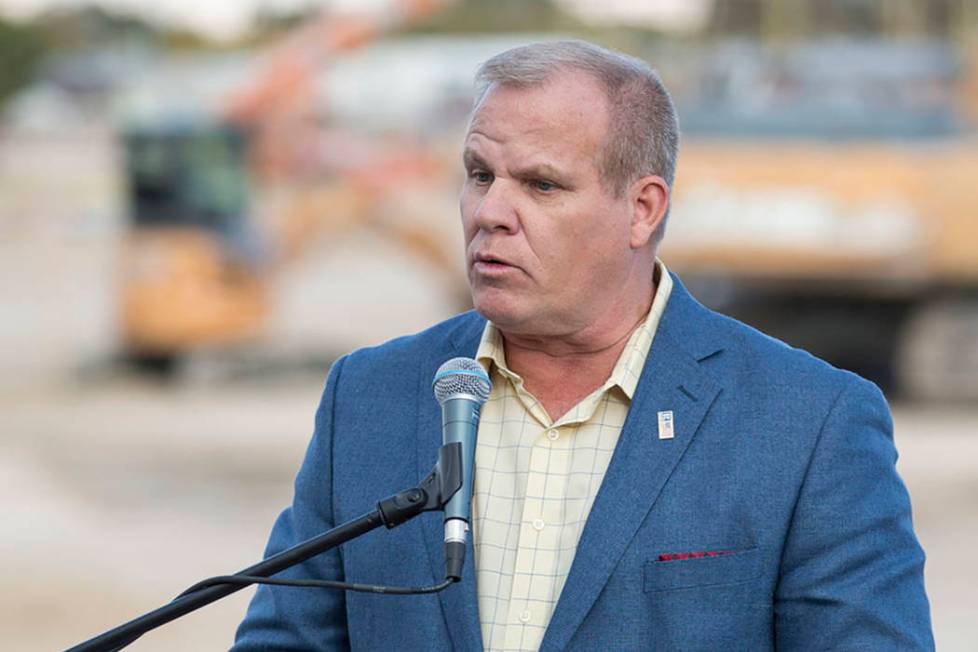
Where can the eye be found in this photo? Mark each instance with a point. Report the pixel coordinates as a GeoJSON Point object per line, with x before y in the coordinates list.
{"type": "Point", "coordinates": [543, 185]}
{"type": "Point", "coordinates": [481, 177]}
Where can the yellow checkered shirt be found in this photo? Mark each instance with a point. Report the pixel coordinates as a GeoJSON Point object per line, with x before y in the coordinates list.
{"type": "Point", "coordinates": [535, 482]}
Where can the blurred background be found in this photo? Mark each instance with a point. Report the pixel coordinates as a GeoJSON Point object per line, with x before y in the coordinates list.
{"type": "Point", "coordinates": [203, 204]}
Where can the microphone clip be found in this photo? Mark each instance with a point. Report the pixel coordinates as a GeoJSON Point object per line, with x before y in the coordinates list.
{"type": "Point", "coordinates": [432, 494]}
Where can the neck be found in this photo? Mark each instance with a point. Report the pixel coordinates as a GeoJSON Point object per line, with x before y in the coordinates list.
{"type": "Point", "coordinates": [561, 370]}
{"type": "Point", "coordinates": [571, 348]}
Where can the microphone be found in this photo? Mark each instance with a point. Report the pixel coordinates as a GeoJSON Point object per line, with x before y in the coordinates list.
{"type": "Point", "coordinates": [461, 387]}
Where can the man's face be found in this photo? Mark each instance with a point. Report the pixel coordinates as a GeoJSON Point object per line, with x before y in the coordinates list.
{"type": "Point", "coordinates": [547, 245]}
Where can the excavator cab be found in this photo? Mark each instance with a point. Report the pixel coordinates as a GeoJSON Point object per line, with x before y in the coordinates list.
{"type": "Point", "coordinates": [191, 268]}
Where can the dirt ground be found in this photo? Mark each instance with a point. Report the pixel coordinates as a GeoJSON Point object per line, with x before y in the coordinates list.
{"type": "Point", "coordinates": [120, 493]}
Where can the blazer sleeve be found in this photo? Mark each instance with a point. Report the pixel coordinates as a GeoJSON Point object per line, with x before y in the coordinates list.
{"type": "Point", "coordinates": [289, 618]}
{"type": "Point", "coordinates": [852, 570]}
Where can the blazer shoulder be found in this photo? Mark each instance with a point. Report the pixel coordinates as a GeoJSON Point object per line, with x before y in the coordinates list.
{"type": "Point", "coordinates": [409, 351]}
{"type": "Point", "coordinates": [796, 395]}
{"type": "Point", "coordinates": [767, 363]}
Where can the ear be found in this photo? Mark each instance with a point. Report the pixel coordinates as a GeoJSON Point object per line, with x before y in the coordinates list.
{"type": "Point", "coordinates": [649, 200]}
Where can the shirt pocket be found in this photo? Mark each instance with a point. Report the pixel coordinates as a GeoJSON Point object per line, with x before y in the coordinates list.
{"type": "Point", "coordinates": [733, 568]}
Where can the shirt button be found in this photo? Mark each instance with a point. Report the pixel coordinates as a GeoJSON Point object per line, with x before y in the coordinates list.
{"type": "Point", "coordinates": [553, 435]}
{"type": "Point", "coordinates": [538, 524]}
{"type": "Point", "coordinates": [525, 617]}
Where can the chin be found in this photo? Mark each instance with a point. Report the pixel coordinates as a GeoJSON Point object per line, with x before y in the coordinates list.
{"type": "Point", "coordinates": [499, 308]}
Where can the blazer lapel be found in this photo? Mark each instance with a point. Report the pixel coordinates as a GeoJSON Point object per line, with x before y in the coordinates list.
{"type": "Point", "coordinates": [459, 602]}
{"type": "Point", "coordinates": [672, 380]}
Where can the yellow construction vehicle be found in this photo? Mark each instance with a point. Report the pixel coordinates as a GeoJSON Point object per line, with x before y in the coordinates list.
{"type": "Point", "coordinates": [197, 264]}
{"type": "Point", "coordinates": [829, 197]}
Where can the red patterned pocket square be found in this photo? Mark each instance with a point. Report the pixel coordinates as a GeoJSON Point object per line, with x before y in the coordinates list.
{"type": "Point", "coordinates": [679, 556]}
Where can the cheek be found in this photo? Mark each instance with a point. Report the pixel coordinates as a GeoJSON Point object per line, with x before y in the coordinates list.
{"type": "Point", "coordinates": [466, 208]}
{"type": "Point", "coordinates": [591, 243]}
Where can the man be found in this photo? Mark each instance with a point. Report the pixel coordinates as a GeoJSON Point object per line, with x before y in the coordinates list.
{"type": "Point", "coordinates": [649, 474]}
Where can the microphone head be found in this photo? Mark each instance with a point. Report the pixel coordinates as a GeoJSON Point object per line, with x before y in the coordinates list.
{"type": "Point", "coordinates": [461, 376]}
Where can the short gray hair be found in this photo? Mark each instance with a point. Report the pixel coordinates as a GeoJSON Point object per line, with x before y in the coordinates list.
{"type": "Point", "coordinates": [643, 134]}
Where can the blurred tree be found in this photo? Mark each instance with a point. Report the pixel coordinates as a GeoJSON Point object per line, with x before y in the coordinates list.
{"type": "Point", "coordinates": [270, 24]}
{"type": "Point", "coordinates": [81, 28]}
{"type": "Point", "coordinates": [776, 20]}
{"type": "Point", "coordinates": [75, 29]}
{"type": "Point", "coordinates": [271, 21]}
{"type": "Point", "coordinates": [186, 39]}
{"type": "Point", "coordinates": [21, 53]}
{"type": "Point", "coordinates": [535, 16]}
{"type": "Point", "coordinates": [468, 16]}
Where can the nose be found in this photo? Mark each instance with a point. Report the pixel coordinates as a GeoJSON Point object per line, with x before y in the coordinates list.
{"type": "Point", "coordinates": [495, 209]}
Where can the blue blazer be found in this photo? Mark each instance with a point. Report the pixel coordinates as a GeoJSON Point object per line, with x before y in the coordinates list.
{"type": "Point", "coordinates": [778, 459]}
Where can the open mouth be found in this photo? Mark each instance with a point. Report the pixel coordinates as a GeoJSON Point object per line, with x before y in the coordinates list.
{"type": "Point", "coordinates": [489, 264]}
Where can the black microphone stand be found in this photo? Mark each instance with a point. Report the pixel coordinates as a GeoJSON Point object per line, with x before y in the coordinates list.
{"type": "Point", "coordinates": [431, 495]}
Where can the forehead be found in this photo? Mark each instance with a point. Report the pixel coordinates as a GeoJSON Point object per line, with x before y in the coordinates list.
{"type": "Point", "coordinates": [567, 114]}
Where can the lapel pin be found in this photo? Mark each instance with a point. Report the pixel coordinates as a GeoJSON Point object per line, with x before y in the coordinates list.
{"type": "Point", "coordinates": [666, 430]}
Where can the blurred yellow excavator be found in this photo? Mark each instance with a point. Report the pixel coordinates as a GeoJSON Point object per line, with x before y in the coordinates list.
{"type": "Point", "coordinates": [830, 196]}
{"type": "Point", "coordinates": [196, 267]}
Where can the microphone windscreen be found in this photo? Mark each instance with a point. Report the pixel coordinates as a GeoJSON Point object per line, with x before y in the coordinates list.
{"type": "Point", "coordinates": [462, 376]}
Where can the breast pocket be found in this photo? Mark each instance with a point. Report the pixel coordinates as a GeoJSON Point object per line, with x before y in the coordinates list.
{"type": "Point", "coordinates": [729, 568]}
{"type": "Point", "coordinates": [710, 603]}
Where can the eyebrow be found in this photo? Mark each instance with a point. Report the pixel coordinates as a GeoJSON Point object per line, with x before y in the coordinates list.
{"type": "Point", "coordinates": [542, 170]}
{"type": "Point", "coordinates": [472, 160]}
{"type": "Point", "coordinates": [538, 170]}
